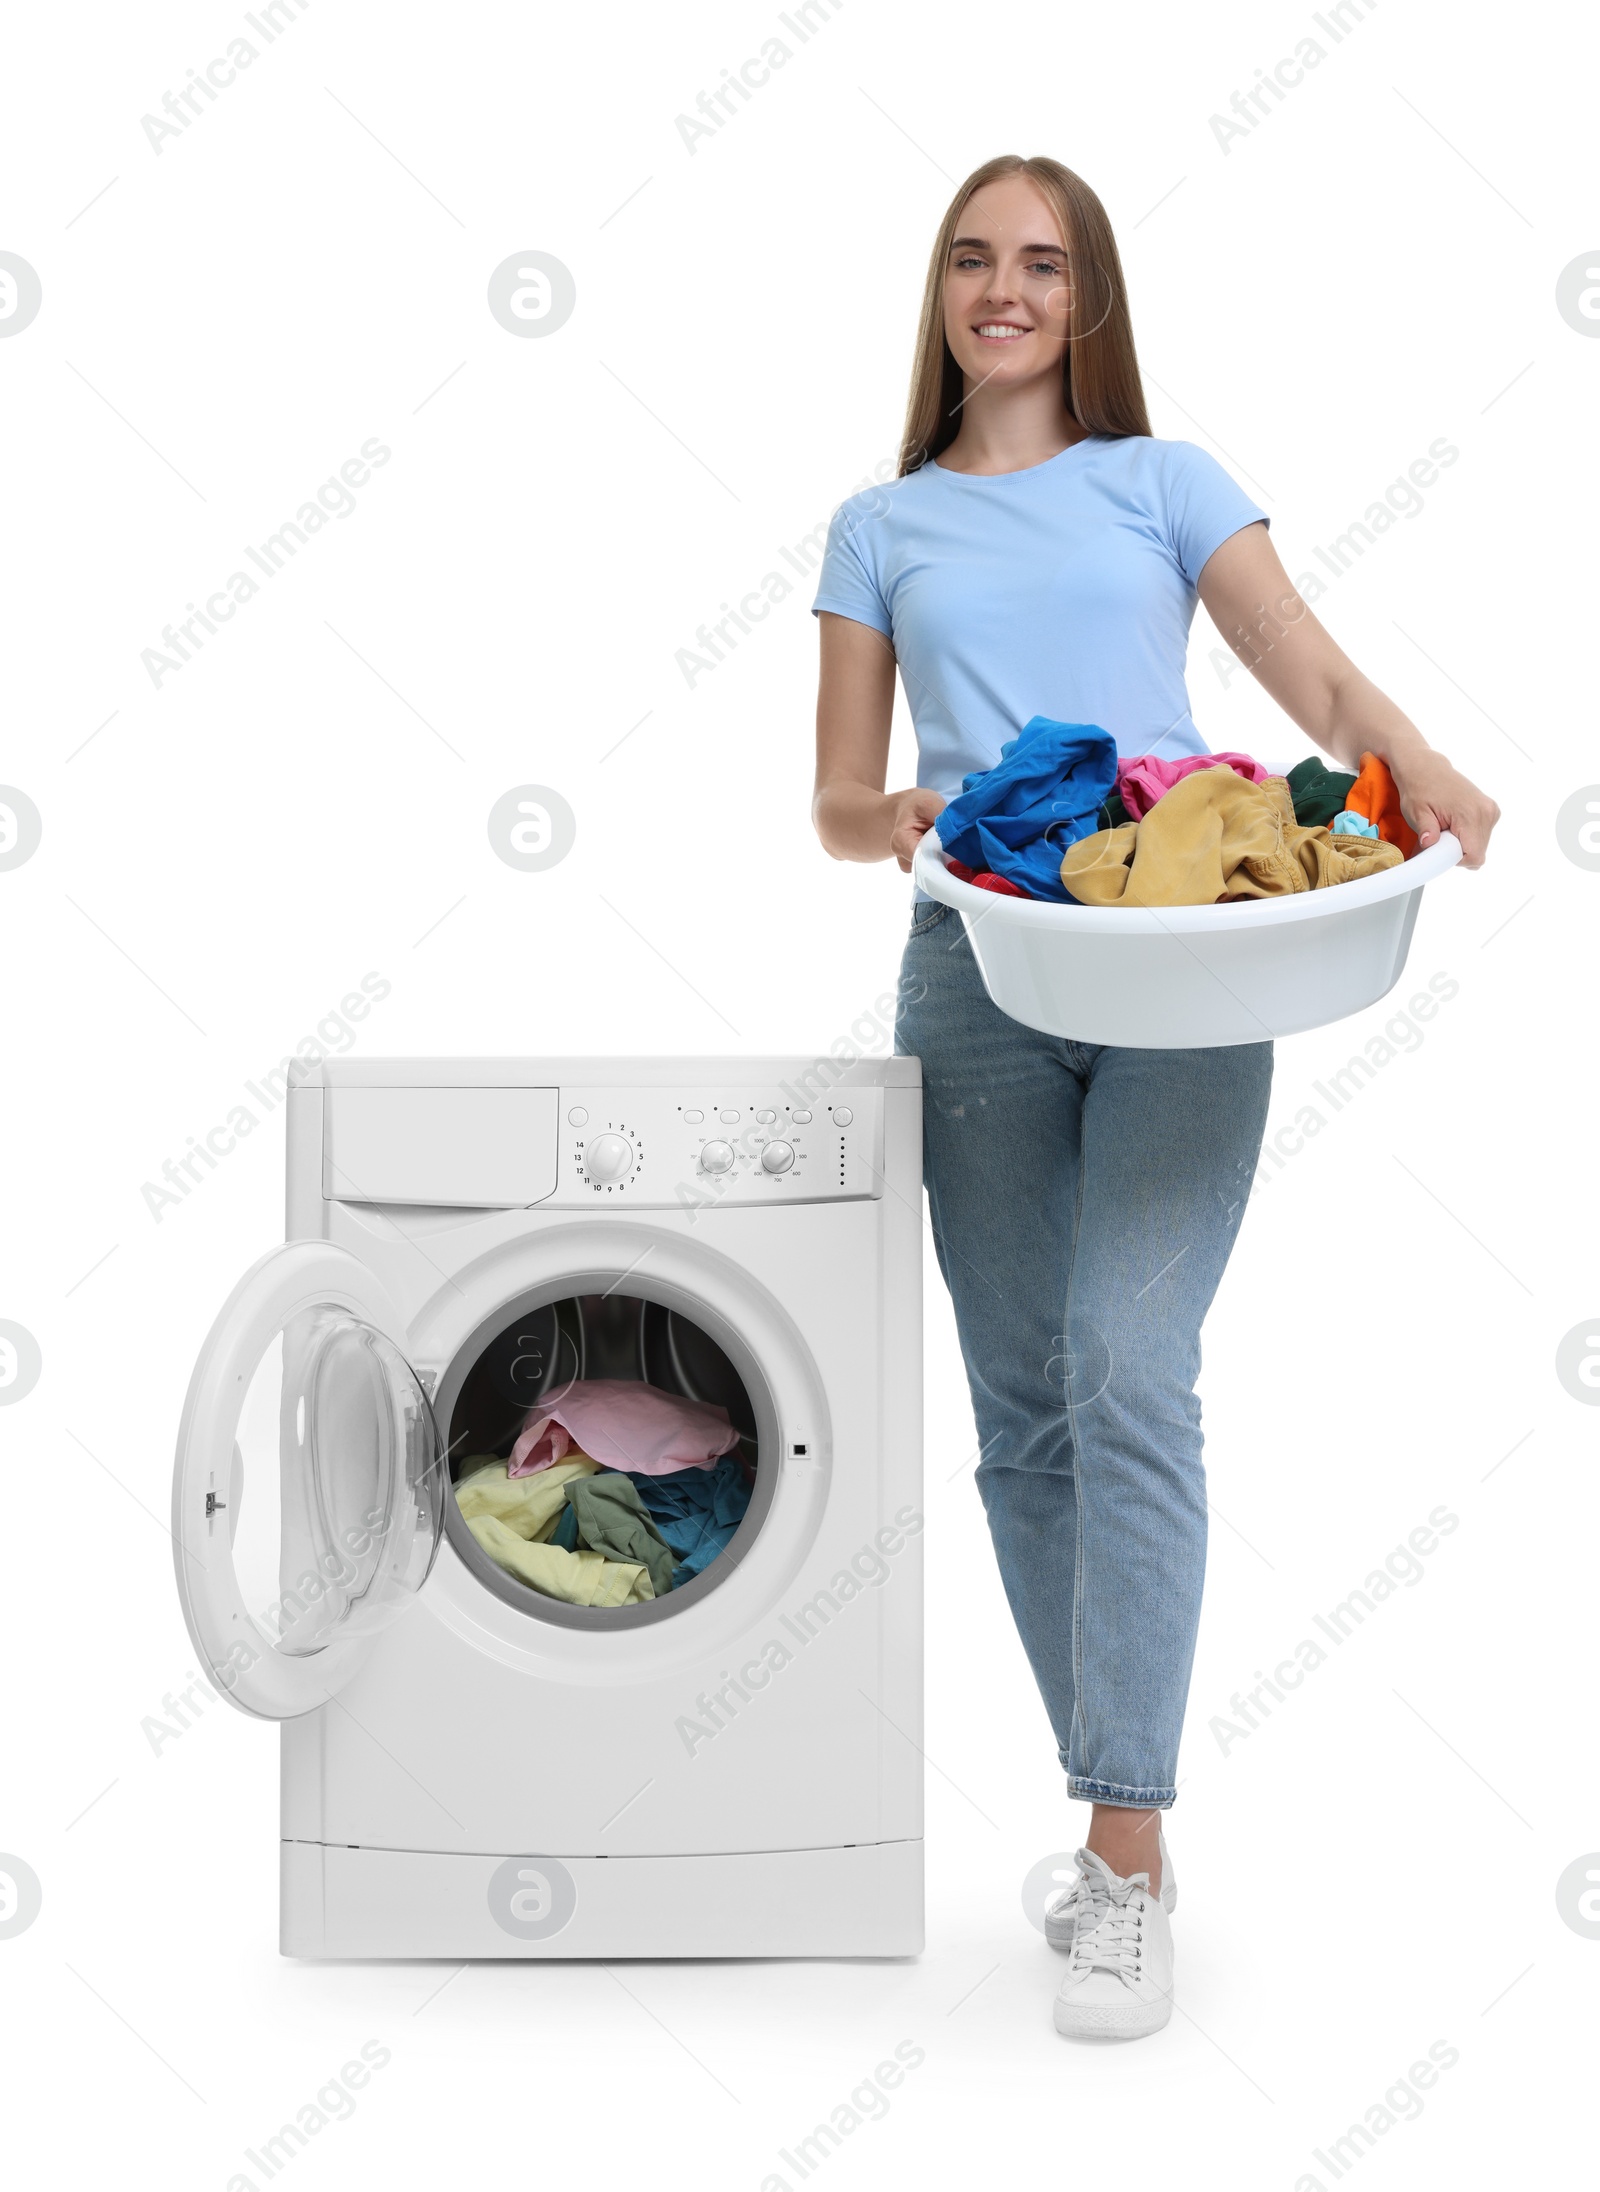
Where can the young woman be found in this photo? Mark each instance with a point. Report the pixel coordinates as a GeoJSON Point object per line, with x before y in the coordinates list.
{"type": "Point", "coordinates": [1041, 554]}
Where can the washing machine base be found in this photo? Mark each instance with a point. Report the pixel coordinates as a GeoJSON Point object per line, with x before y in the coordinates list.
{"type": "Point", "coordinates": [861, 1900]}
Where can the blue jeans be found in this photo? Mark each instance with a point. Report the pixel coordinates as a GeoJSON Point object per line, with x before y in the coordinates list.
{"type": "Point", "coordinates": [1084, 1203]}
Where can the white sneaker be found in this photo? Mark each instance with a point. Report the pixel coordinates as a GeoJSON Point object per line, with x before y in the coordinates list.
{"type": "Point", "coordinates": [1119, 1980]}
{"type": "Point", "coordinates": [1061, 1912]}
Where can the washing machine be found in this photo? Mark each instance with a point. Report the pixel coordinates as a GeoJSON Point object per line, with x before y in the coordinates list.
{"type": "Point", "coordinates": [470, 1767]}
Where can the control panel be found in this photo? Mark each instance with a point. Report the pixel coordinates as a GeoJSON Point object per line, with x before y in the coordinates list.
{"type": "Point", "coordinates": [704, 1147]}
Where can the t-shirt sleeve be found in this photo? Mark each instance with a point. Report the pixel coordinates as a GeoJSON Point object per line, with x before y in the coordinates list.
{"type": "Point", "coordinates": [1204, 507]}
{"type": "Point", "coordinates": [846, 584]}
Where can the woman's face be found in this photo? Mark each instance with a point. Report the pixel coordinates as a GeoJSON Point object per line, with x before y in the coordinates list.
{"type": "Point", "coordinates": [1006, 292]}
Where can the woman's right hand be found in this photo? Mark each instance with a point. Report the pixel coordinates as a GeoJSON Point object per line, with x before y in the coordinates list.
{"type": "Point", "coordinates": [912, 819]}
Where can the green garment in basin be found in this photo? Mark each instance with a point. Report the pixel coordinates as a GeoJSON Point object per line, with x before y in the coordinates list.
{"type": "Point", "coordinates": [1318, 792]}
{"type": "Point", "coordinates": [612, 1520]}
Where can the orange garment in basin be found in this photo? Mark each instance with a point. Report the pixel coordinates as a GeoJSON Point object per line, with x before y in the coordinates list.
{"type": "Point", "coordinates": [1375, 797]}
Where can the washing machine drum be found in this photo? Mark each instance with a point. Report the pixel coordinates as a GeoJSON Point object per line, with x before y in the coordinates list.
{"type": "Point", "coordinates": [590, 1337]}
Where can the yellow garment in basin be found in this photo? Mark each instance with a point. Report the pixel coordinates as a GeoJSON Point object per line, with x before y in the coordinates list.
{"type": "Point", "coordinates": [1216, 835]}
{"type": "Point", "coordinates": [581, 1579]}
{"type": "Point", "coordinates": [531, 1506]}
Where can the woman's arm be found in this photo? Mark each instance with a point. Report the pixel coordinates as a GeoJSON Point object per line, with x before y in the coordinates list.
{"type": "Point", "coordinates": [1253, 605]}
{"type": "Point", "coordinates": [854, 816]}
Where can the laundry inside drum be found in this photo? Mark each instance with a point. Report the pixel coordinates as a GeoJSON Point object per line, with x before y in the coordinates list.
{"type": "Point", "coordinates": [604, 1452]}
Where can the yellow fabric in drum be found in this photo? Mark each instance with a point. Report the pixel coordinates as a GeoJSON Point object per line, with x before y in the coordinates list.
{"type": "Point", "coordinates": [511, 1516]}
{"type": "Point", "coordinates": [1215, 835]}
{"type": "Point", "coordinates": [580, 1579]}
{"type": "Point", "coordinates": [529, 1506]}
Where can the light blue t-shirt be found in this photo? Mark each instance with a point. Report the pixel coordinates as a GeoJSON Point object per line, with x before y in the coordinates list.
{"type": "Point", "coordinates": [1065, 590]}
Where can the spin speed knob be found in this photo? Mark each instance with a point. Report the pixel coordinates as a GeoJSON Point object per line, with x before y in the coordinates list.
{"type": "Point", "coordinates": [608, 1157]}
{"type": "Point", "coordinates": [777, 1157]}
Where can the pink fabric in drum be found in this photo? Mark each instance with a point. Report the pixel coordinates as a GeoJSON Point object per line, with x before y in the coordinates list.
{"type": "Point", "coordinates": [622, 1425]}
{"type": "Point", "coordinates": [1141, 782]}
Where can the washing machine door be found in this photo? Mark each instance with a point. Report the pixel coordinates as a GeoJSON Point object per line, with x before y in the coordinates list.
{"type": "Point", "coordinates": [308, 1498]}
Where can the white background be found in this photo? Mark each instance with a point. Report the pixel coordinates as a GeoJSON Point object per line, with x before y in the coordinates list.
{"type": "Point", "coordinates": [1372, 267]}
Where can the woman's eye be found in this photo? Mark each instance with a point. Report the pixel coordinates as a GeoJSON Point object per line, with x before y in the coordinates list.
{"type": "Point", "coordinates": [964, 264]}
{"type": "Point", "coordinates": [1047, 269]}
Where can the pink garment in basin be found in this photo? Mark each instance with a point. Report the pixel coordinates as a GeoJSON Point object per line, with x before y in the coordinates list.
{"type": "Point", "coordinates": [1141, 782]}
{"type": "Point", "coordinates": [622, 1425]}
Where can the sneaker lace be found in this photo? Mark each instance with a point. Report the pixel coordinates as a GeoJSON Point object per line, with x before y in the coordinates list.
{"type": "Point", "coordinates": [1112, 1939]}
{"type": "Point", "coordinates": [1077, 1902]}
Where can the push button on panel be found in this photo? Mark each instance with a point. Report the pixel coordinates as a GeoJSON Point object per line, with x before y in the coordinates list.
{"type": "Point", "coordinates": [693, 1118]}
{"type": "Point", "coordinates": [802, 1118]}
{"type": "Point", "coordinates": [577, 1116]}
{"type": "Point", "coordinates": [843, 1116]}
{"type": "Point", "coordinates": [728, 1118]}
{"type": "Point", "coordinates": [765, 1118]}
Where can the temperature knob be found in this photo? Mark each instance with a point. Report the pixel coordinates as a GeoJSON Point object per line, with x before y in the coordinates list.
{"type": "Point", "coordinates": [717, 1157]}
{"type": "Point", "coordinates": [777, 1157]}
{"type": "Point", "coordinates": [608, 1157]}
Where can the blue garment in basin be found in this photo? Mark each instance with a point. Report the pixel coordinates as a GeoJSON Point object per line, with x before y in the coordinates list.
{"type": "Point", "coordinates": [1042, 795]}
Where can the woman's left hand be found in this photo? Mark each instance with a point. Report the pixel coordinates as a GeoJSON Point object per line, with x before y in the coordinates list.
{"type": "Point", "coordinates": [1436, 797]}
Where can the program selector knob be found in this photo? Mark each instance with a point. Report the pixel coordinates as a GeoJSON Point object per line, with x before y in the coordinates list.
{"type": "Point", "coordinates": [608, 1157]}
{"type": "Point", "coordinates": [717, 1157]}
{"type": "Point", "coordinates": [777, 1157]}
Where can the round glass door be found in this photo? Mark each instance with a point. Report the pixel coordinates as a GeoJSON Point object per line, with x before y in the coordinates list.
{"type": "Point", "coordinates": [332, 1517]}
{"type": "Point", "coordinates": [309, 1493]}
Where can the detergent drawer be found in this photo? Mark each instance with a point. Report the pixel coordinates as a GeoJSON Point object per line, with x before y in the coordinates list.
{"type": "Point", "coordinates": [463, 1148]}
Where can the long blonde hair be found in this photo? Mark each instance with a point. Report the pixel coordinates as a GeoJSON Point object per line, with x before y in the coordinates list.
{"type": "Point", "coordinates": [1099, 365]}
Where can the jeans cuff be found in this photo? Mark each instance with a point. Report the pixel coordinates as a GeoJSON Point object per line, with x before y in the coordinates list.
{"type": "Point", "coordinates": [1116, 1792]}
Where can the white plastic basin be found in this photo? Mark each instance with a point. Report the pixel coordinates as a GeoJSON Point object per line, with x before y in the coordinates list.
{"type": "Point", "coordinates": [1188, 977]}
